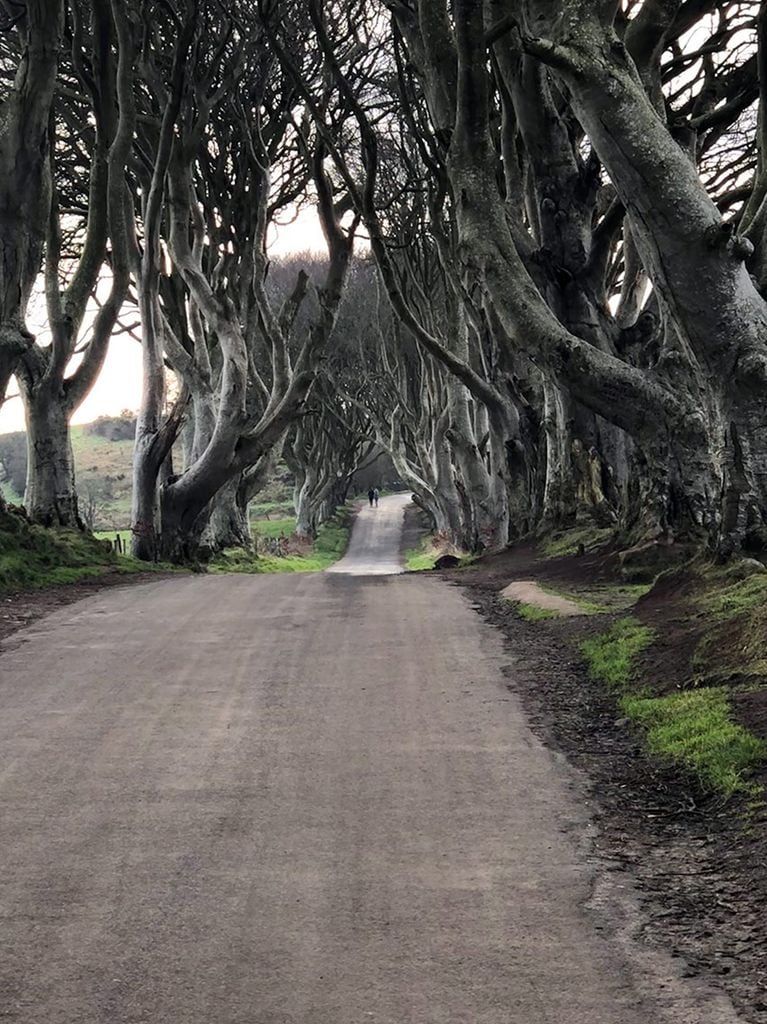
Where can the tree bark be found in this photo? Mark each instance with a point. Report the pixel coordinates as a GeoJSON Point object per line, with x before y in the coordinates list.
{"type": "Point", "coordinates": [25, 180]}
{"type": "Point", "coordinates": [50, 497]}
{"type": "Point", "coordinates": [226, 524]}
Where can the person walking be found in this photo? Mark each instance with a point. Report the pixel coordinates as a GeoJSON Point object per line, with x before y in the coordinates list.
{"type": "Point", "coordinates": [371, 496]}
{"type": "Point", "coordinates": [376, 496]}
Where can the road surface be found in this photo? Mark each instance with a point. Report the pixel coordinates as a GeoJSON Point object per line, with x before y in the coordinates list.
{"type": "Point", "coordinates": [374, 548]}
{"type": "Point", "coordinates": [295, 800]}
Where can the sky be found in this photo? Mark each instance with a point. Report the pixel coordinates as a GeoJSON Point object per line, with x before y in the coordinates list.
{"type": "Point", "coordinates": [119, 386]}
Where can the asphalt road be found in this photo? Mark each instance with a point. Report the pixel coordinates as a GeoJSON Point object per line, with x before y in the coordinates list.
{"type": "Point", "coordinates": [296, 800]}
{"type": "Point", "coordinates": [374, 547]}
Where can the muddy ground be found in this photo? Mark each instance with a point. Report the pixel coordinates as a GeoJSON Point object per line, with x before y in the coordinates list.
{"type": "Point", "coordinates": [699, 863]}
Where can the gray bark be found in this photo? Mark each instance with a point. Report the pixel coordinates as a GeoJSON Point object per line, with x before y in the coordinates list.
{"type": "Point", "coordinates": [25, 182]}
{"type": "Point", "coordinates": [50, 497]}
{"type": "Point", "coordinates": [49, 395]}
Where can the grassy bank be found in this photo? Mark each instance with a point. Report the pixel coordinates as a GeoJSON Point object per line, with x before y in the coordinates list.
{"type": "Point", "coordinates": [581, 538]}
{"type": "Point", "coordinates": [328, 547]}
{"type": "Point", "coordinates": [283, 526]}
{"type": "Point", "coordinates": [33, 557]}
{"type": "Point", "coordinates": [430, 548]}
{"type": "Point", "coordinates": [694, 728]}
{"type": "Point", "coordinates": [424, 555]}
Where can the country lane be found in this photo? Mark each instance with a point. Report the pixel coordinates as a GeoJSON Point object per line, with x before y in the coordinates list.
{"type": "Point", "coordinates": [297, 799]}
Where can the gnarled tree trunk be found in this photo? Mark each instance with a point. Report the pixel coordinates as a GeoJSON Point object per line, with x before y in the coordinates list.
{"type": "Point", "coordinates": [50, 497]}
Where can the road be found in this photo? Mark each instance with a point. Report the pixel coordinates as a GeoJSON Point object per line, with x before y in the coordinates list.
{"type": "Point", "coordinates": [374, 548]}
{"type": "Point", "coordinates": [299, 799]}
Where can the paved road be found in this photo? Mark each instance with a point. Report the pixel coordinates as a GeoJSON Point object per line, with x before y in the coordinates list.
{"type": "Point", "coordinates": [293, 800]}
{"type": "Point", "coordinates": [374, 547]}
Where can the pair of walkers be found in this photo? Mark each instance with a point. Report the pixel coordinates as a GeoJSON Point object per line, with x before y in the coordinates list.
{"type": "Point", "coordinates": [373, 496]}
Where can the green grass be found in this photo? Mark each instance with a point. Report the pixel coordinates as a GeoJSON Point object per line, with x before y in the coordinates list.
{"type": "Point", "coordinates": [586, 606]}
{"type": "Point", "coordinates": [610, 656]}
{"type": "Point", "coordinates": [262, 509]}
{"type": "Point", "coordinates": [567, 542]}
{"type": "Point", "coordinates": [598, 599]}
{"type": "Point", "coordinates": [609, 598]}
{"type": "Point", "coordinates": [32, 556]}
{"type": "Point", "coordinates": [330, 544]}
{"type": "Point", "coordinates": [423, 557]}
{"type": "Point", "coordinates": [694, 728]}
{"type": "Point", "coordinates": [734, 643]}
{"type": "Point", "coordinates": [734, 599]}
{"type": "Point", "coordinates": [283, 527]}
{"type": "Point", "coordinates": [532, 613]}
{"type": "Point", "coordinates": [8, 494]}
{"type": "Point", "coordinates": [418, 560]}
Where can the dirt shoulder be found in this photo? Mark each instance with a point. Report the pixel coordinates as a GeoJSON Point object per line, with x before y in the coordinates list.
{"type": "Point", "coordinates": [20, 608]}
{"type": "Point", "coordinates": [699, 862]}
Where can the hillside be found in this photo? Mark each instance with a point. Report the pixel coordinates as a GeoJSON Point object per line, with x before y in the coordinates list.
{"type": "Point", "coordinates": [103, 463]}
{"type": "Point", "coordinates": [103, 467]}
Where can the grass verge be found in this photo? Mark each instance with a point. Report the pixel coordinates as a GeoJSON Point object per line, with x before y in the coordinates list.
{"type": "Point", "coordinates": [33, 557]}
{"type": "Point", "coordinates": [532, 613]}
{"type": "Point", "coordinates": [733, 647]}
{"type": "Point", "coordinates": [579, 538]}
{"type": "Point", "coordinates": [423, 557]}
{"type": "Point", "coordinates": [692, 728]}
{"type": "Point", "coordinates": [695, 728]}
{"type": "Point", "coordinates": [330, 544]}
{"type": "Point", "coordinates": [285, 526]}
{"type": "Point", "coordinates": [611, 655]}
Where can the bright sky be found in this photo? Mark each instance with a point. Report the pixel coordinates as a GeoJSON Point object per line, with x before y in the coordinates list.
{"type": "Point", "coordinates": [119, 386]}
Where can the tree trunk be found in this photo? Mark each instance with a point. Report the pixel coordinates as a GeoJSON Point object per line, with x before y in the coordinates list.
{"type": "Point", "coordinates": [51, 496]}
{"type": "Point", "coordinates": [744, 505]}
{"type": "Point", "coordinates": [305, 479]}
{"type": "Point", "coordinates": [306, 518]}
{"type": "Point", "coordinates": [483, 478]}
{"type": "Point", "coordinates": [144, 501]}
{"type": "Point", "coordinates": [227, 523]}
{"type": "Point", "coordinates": [25, 185]}
{"type": "Point", "coordinates": [446, 491]}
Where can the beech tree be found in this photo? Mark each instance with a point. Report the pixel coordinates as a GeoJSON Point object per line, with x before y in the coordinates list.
{"type": "Point", "coordinates": [92, 121]}
{"type": "Point", "coordinates": [32, 34]}
{"type": "Point", "coordinates": [575, 158]}
{"type": "Point", "coordinates": [324, 448]}
{"type": "Point", "coordinates": [566, 206]}
{"type": "Point", "coordinates": [224, 116]}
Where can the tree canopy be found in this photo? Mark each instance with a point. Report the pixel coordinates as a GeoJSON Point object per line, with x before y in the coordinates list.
{"type": "Point", "coordinates": [556, 309]}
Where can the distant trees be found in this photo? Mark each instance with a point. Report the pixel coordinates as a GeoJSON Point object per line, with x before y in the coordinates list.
{"type": "Point", "coordinates": [114, 428]}
{"type": "Point", "coordinates": [222, 153]}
